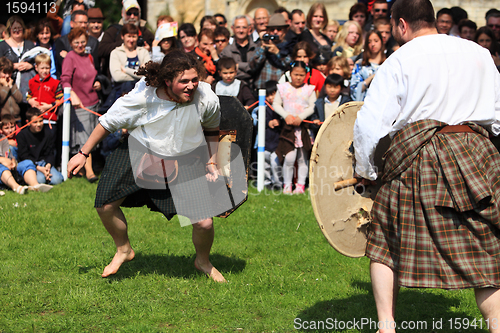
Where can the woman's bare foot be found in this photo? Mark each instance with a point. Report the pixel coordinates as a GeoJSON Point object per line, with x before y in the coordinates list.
{"type": "Point", "coordinates": [210, 271]}
{"type": "Point", "coordinates": [118, 260]}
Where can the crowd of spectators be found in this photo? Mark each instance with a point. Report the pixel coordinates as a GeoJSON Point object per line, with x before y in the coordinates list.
{"type": "Point", "coordinates": [289, 53]}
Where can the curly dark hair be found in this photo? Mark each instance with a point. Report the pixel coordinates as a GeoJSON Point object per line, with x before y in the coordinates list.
{"type": "Point", "coordinates": [176, 63]}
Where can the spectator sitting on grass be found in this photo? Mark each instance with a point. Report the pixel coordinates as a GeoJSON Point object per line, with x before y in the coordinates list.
{"type": "Point", "coordinates": [7, 163]}
{"type": "Point", "coordinates": [36, 154]}
{"type": "Point", "coordinates": [9, 129]}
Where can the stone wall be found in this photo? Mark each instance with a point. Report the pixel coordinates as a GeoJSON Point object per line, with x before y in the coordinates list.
{"type": "Point", "coordinates": [193, 10]}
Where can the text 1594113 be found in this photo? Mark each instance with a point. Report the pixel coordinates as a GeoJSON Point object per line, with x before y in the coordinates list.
{"type": "Point", "coordinates": [22, 7]}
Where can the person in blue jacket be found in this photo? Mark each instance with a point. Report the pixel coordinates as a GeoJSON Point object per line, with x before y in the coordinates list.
{"type": "Point", "coordinates": [330, 98]}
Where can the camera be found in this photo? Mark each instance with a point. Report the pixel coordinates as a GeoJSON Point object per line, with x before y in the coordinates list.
{"type": "Point", "coordinates": [140, 41]}
{"type": "Point", "coordinates": [269, 37]}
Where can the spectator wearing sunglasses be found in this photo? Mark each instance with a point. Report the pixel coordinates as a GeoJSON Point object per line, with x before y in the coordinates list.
{"type": "Point", "coordinates": [380, 9]}
{"type": "Point", "coordinates": [131, 13]}
{"type": "Point", "coordinates": [221, 39]}
{"type": "Point", "coordinates": [493, 22]}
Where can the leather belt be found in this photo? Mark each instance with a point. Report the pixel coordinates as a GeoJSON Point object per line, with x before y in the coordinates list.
{"type": "Point", "coordinates": [456, 129]}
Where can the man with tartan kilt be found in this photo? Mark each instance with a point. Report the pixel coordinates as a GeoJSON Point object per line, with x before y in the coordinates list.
{"type": "Point", "coordinates": [436, 221]}
{"type": "Point", "coordinates": [171, 113]}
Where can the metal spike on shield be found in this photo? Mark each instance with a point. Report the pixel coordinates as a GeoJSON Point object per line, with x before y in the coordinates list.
{"type": "Point", "coordinates": [235, 143]}
{"type": "Point", "coordinates": [342, 210]}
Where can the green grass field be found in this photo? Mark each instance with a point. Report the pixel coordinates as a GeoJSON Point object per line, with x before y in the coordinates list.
{"type": "Point", "coordinates": [282, 274]}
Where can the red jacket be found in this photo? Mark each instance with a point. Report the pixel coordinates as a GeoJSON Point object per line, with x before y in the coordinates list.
{"type": "Point", "coordinates": [317, 79]}
{"type": "Point", "coordinates": [47, 91]}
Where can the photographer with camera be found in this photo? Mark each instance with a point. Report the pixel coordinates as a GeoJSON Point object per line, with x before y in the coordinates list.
{"type": "Point", "coordinates": [273, 57]}
{"type": "Point", "coordinates": [62, 46]}
{"type": "Point", "coordinates": [131, 13]}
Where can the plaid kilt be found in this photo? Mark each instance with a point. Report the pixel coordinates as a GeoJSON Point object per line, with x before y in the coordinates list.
{"type": "Point", "coordinates": [117, 181]}
{"type": "Point", "coordinates": [436, 218]}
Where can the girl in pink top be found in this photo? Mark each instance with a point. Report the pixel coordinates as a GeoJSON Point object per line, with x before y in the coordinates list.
{"type": "Point", "coordinates": [294, 101]}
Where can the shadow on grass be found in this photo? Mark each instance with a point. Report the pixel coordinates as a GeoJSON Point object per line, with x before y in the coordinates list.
{"type": "Point", "coordinates": [416, 307]}
{"type": "Point", "coordinates": [171, 266]}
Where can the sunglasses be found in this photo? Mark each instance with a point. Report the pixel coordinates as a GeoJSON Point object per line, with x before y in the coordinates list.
{"type": "Point", "coordinates": [220, 40]}
{"type": "Point", "coordinates": [380, 10]}
{"type": "Point", "coordinates": [133, 12]}
{"type": "Point", "coordinates": [496, 26]}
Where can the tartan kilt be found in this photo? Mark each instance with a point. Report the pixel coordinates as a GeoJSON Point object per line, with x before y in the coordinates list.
{"type": "Point", "coordinates": [117, 181]}
{"type": "Point", "coordinates": [436, 224]}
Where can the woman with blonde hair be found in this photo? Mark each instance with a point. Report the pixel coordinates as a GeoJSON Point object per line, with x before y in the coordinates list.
{"type": "Point", "coordinates": [316, 21]}
{"type": "Point", "coordinates": [349, 41]}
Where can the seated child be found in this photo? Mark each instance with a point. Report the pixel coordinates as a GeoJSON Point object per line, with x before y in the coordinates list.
{"type": "Point", "coordinates": [230, 85]}
{"type": "Point", "coordinates": [36, 153]}
{"type": "Point", "coordinates": [10, 95]}
{"type": "Point", "coordinates": [6, 165]}
{"type": "Point", "coordinates": [272, 167]}
{"type": "Point", "coordinates": [329, 100]}
{"type": "Point", "coordinates": [9, 128]}
{"type": "Point", "coordinates": [44, 90]}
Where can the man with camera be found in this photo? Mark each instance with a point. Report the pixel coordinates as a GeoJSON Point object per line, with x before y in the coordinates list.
{"type": "Point", "coordinates": [273, 56]}
{"type": "Point", "coordinates": [131, 13]}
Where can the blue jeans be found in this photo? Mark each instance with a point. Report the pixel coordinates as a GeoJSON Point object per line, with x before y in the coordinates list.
{"type": "Point", "coordinates": [2, 169]}
{"type": "Point", "coordinates": [23, 166]}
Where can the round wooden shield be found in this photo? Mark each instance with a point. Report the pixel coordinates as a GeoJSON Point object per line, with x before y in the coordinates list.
{"type": "Point", "coordinates": [342, 215]}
